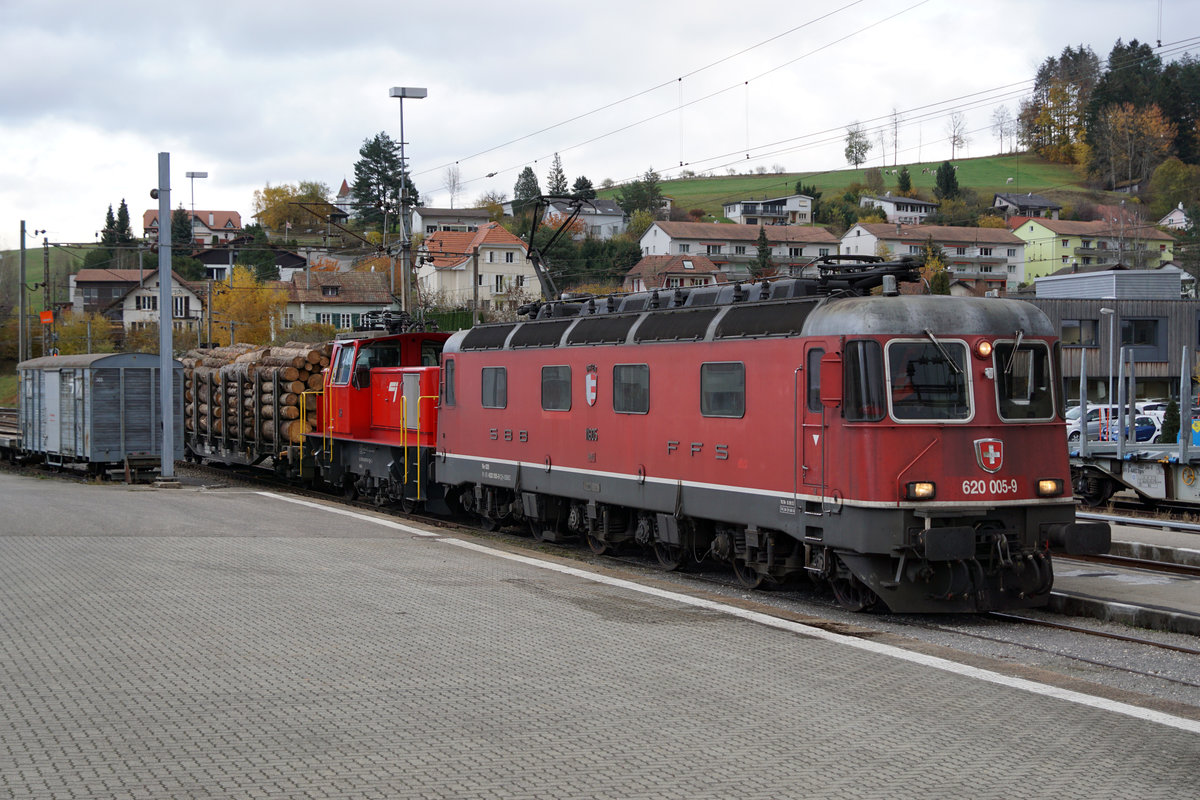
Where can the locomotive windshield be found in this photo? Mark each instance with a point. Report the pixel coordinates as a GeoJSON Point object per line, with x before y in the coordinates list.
{"type": "Point", "coordinates": [1024, 380]}
{"type": "Point", "coordinates": [928, 380]}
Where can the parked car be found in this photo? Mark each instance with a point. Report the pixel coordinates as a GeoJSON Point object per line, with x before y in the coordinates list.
{"type": "Point", "coordinates": [1095, 415]}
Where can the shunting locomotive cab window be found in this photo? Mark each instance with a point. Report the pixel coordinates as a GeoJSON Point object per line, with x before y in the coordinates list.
{"type": "Point", "coordinates": [631, 388]}
{"type": "Point", "coordinates": [448, 382]}
{"type": "Point", "coordinates": [723, 389]}
{"type": "Point", "coordinates": [813, 368]}
{"type": "Point", "coordinates": [431, 352]}
{"type": "Point", "coordinates": [343, 367]}
{"type": "Point", "coordinates": [556, 388]}
{"type": "Point", "coordinates": [1024, 380]}
{"type": "Point", "coordinates": [928, 379]}
{"type": "Point", "coordinates": [863, 381]}
{"type": "Point", "coordinates": [495, 387]}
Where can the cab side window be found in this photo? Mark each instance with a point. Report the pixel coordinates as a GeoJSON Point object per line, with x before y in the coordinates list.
{"type": "Point", "coordinates": [343, 366]}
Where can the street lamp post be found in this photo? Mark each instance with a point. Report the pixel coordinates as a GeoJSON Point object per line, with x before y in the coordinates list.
{"type": "Point", "coordinates": [1111, 313]}
{"type": "Point", "coordinates": [191, 176]}
{"type": "Point", "coordinates": [412, 93]}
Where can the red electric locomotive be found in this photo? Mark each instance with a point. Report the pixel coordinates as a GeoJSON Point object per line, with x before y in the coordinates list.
{"type": "Point", "coordinates": [906, 449]}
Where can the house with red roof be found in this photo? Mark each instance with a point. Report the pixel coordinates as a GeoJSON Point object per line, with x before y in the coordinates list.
{"type": "Point", "coordinates": [208, 227]}
{"type": "Point", "coordinates": [487, 265]}
{"type": "Point", "coordinates": [335, 298]}
{"type": "Point", "coordinates": [669, 272]}
{"type": "Point", "coordinates": [130, 297]}
{"type": "Point", "coordinates": [733, 247]}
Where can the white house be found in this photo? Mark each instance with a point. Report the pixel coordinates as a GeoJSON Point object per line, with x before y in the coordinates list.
{"type": "Point", "coordinates": [501, 276]}
{"type": "Point", "coordinates": [731, 246]}
{"type": "Point", "coordinates": [208, 227]}
{"type": "Point", "coordinates": [130, 297]}
{"type": "Point", "coordinates": [668, 272]}
{"type": "Point", "coordinates": [335, 298]}
{"type": "Point", "coordinates": [431, 220]}
{"type": "Point", "coordinates": [598, 219]}
{"type": "Point", "coordinates": [793, 209]}
{"type": "Point", "coordinates": [905, 210]}
{"type": "Point", "coordinates": [1175, 218]}
{"type": "Point", "coordinates": [992, 257]}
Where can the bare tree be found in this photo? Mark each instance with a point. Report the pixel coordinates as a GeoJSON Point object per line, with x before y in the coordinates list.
{"type": "Point", "coordinates": [452, 178]}
{"type": "Point", "coordinates": [857, 145]}
{"type": "Point", "coordinates": [1003, 125]}
{"type": "Point", "coordinates": [956, 132]}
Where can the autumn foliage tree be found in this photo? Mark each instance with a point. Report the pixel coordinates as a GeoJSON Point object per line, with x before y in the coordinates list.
{"type": "Point", "coordinates": [277, 206]}
{"type": "Point", "coordinates": [246, 309]}
{"type": "Point", "coordinates": [74, 336]}
{"type": "Point", "coordinates": [1128, 142]}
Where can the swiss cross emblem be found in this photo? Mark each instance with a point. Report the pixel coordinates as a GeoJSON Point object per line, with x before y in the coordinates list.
{"type": "Point", "coordinates": [590, 385]}
{"type": "Point", "coordinates": [990, 454]}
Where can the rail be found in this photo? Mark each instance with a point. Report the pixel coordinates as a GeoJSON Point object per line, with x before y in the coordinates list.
{"type": "Point", "coordinates": [1145, 522]}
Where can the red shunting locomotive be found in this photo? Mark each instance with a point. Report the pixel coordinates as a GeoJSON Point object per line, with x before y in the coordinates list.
{"type": "Point", "coordinates": [905, 449]}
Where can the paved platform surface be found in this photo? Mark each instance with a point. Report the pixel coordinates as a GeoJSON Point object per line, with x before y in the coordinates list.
{"type": "Point", "coordinates": [1135, 597]}
{"type": "Point", "coordinates": [182, 643]}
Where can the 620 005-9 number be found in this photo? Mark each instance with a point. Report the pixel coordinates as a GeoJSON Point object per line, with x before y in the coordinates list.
{"type": "Point", "coordinates": [993, 486]}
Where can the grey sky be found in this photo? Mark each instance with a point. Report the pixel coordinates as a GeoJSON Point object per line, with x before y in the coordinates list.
{"type": "Point", "coordinates": [258, 92]}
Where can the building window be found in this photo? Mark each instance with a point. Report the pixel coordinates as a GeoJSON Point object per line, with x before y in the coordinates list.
{"type": "Point", "coordinates": [289, 320]}
{"type": "Point", "coordinates": [1012, 269]}
{"type": "Point", "coordinates": [914, 249]}
{"type": "Point", "coordinates": [324, 319]}
{"type": "Point", "coordinates": [495, 387]}
{"type": "Point", "coordinates": [713, 249]}
{"type": "Point", "coordinates": [499, 288]}
{"type": "Point", "coordinates": [960, 251]}
{"type": "Point", "coordinates": [482, 280]}
{"type": "Point", "coordinates": [631, 388]}
{"type": "Point", "coordinates": [491, 256]}
{"type": "Point", "coordinates": [795, 252]}
{"type": "Point", "coordinates": [823, 251]}
{"type": "Point", "coordinates": [1080, 332]}
{"type": "Point", "coordinates": [556, 388]}
{"type": "Point", "coordinates": [1066, 242]}
{"type": "Point", "coordinates": [180, 306]}
{"type": "Point", "coordinates": [1147, 337]}
{"type": "Point", "coordinates": [685, 248]}
{"type": "Point", "coordinates": [1064, 260]}
{"type": "Point", "coordinates": [739, 249]}
{"type": "Point", "coordinates": [520, 281]}
{"type": "Point", "coordinates": [146, 302]}
{"type": "Point", "coordinates": [330, 291]}
{"type": "Point", "coordinates": [508, 258]}
{"type": "Point", "coordinates": [723, 389]}
{"type": "Point", "coordinates": [687, 264]}
{"type": "Point", "coordinates": [1012, 252]}
{"type": "Point", "coordinates": [985, 251]}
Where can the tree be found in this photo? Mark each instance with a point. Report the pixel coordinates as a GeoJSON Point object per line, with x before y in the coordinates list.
{"type": "Point", "coordinates": [73, 334]}
{"type": "Point", "coordinates": [249, 305]}
{"type": "Point", "coordinates": [858, 145]}
{"type": "Point", "coordinates": [1002, 122]}
{"type": "Point", "coordinates": [762, 261]}
{"type": "Point", "coordinates": [452, 178]}
{"type": "Point", "coordinates": [526, 191]}
{"type": "Point", "coordinates": [874, 177]}
{"type": "Point", "coordinates": [946, 182]}
{"type": "Point", "coordinates": [956, 132]}
{"type": "Point", "coordinates": [377, 178]}
{"type": "Point", "coordinates": [582, 189]}
{"type": "Point", "coordinates": [1170, 423]}
{"type": "Point", "coordinates": [1053, 120]}
{"type": "Point", "coordinates": [258, 256]}
{"type": "Point", "coordinates": [494, 203]}
{"type": "Point", "coordinates": [181, 230]}
{"type": "Point", "coordinates": [935, 270]}
{"type": "Point", "coordinates": [556, 181]}
{"type": "Point", "coordinates": [639, 222]}
{"type": "Point", "coordinates": [124, 231]}
{"type": "Point", "coordinates": [145, 340]}
{"type": "Point", "coordinates": [904, 183]}
{"type": "Point", "coordinates": [642, 195]}
{"type": "Point", "coordinates": [1129, 142]}
{"type": "Point", "coordinates": [1173, 182]}
{"type": "Point", "coordinates": [278, 208]}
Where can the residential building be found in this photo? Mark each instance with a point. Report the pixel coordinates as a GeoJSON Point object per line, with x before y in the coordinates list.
{"type": "Point", "coordinates": [345, 201]}
{"type": "Point", "coordinates": [669, 272]}
{"type": "Point", "coordinates": [209, 228]}
{"type": "Point", "coordinates": [130, 297]}
{"type": "Point", "coordinates": [1103, 315]}
{"type": "Point", "coordinates": [335, 298]}
{"type": "Point", "coordinates": [733, 247]}
{"type": "Point", "coordinates": [1175, 218]}
{"type": "Point", "coordinates": [1026, 205]}
{"type": "Point", "coordinates": [598, 219]}
{"type": "Point", "coordinates": [792, 209]}
{"type": "Point", "coordinates": [428, 220]}
{"type": "Point", "coordinates": [981, 258]}
{"type": "Point", "coordinates": [905, 210]}
{"type": "Point", "coordinates": [218, 261]}
{"type": "Point", "coordinates": [1051, 244]}
{"type": "Point", "coordinates": [449, 273]}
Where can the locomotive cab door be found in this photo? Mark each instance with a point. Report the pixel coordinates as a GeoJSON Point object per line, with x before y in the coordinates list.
{"type": "Point", "coordinates": [811, 425]}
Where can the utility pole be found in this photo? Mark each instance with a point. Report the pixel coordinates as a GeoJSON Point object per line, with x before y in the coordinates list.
{"type": "Point", "coordinates": [474, 286]}
{"type": "Point", "coordinates": [21, 313]}
{"type": "Point", "coordinates": [166, 364]}
{"type": "Point", "coordinates": [47, 297]}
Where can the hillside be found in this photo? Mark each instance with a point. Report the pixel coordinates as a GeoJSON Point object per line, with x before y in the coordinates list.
{"type": "Point", "coordinates": [985, 176]}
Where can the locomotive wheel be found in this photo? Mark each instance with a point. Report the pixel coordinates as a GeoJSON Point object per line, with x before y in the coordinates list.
{"type": "Point", "coordinates": [851, 594]}
{"type": "Point", "coordinates": [488, 524]}
{"type": "Point", "coordinates": [348, 490]}
{"type": "Point", "coordinates": [670, 556]}
{"type": "Point", "coordinates": [747, 576]}
{"type": "Point", "coordinates": [596, 544]}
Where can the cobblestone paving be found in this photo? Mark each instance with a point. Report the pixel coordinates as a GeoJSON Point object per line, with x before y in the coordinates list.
{"type": "Point", "coordinates": [360, 663]}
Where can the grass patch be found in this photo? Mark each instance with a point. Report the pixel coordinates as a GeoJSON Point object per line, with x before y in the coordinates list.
{"type": "Point", "coordinates": [8, 383]}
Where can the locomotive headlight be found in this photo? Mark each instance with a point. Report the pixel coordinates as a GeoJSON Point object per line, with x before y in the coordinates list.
{"type": "Point", "coordinates": [1049, 487]}
{"type": "Point", "coordinates": [983, 349]}
{"type": "Point", "coordinates": [920, 490]}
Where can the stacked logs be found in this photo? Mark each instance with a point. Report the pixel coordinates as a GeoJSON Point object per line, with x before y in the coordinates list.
{"type": "Point", "coordinates": [251, 393]}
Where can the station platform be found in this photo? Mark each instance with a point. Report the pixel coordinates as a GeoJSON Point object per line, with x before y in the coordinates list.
{"type": "Point", "coordinates": [234, 643]}
{"type": "Point", "coordinates": [1129, 595]}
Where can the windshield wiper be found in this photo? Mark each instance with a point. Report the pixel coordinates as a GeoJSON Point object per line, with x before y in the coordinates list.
{"type": "Point", "coordinates": [1013, 356]}
{"type": "Point", "coordinates": [942, 350]}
